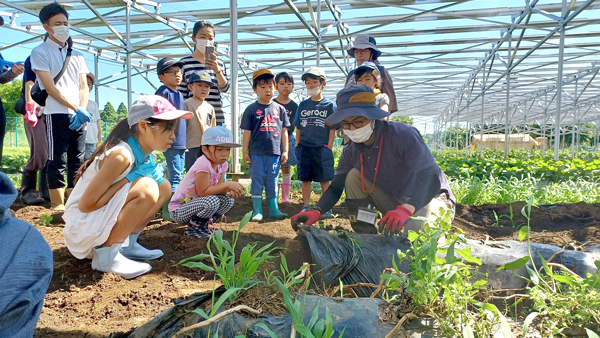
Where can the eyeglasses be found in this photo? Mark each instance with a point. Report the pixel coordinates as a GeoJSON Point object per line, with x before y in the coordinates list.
{"type": "Point", "coordinates": [356, 123]}
{"type": "Point", "coordinates": [173, 72]}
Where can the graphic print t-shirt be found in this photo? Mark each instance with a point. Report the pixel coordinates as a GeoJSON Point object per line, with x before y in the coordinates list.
{"type": "Point", "coordinates": [310, 120]}
{"type": "Point", "coordinates": [266, 123]}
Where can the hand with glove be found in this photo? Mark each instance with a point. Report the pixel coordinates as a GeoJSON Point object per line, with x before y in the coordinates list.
{"type": "Point", "coordinates": [152, 170]}
{"type": "Point", "coordinates": [78, 119]}
{"type": "Point", "coordinates": [307, 217]}
{"type": "Point", "coordinates": [30, 114]}
{"type": "Point", "coordinates": [393, 221]}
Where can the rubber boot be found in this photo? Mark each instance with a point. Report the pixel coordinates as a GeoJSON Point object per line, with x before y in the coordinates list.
{"type": "Point", "coordinates": [44, 193]}
{"type": "Point", "coordinates": [359, 227]}
{"type": "Point", "coordinates": [68, 192]}
{"type": "Point", "coordinates": [274, 212]}
{"type": "Point", "coordinates": [109, 259]}
{"type": "Point", "coordinates": [135, 250]}
{"type": "Point", "coordinates": [57, 199]}
{"type": "Point", "coordinates": [257, 212]}
{"type": "Point", "coordinates": [28, 183]}
{"type": "Point", "coordinates": [285, 193]}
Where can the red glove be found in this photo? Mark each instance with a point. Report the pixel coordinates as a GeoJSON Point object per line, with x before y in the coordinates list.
{"type": "Point", "coordinates": [393, 221]}
{"type": "Point", "coordinates": [30, 115]}
{"type": "Point", "coordinates": [307, 217]}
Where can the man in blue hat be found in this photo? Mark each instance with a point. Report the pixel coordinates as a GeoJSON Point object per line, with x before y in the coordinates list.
{"type": "Point", "coordinates": [386, 165]}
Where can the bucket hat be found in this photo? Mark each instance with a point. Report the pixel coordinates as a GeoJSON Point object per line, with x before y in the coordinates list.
{"type": "Point", "coordinates": [356, 100]}
{"type": "Point", "coordinates": [364, 42]}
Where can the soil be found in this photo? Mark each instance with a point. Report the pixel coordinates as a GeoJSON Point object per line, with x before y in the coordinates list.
{"type": "Point", "coordinates": [82, 302]}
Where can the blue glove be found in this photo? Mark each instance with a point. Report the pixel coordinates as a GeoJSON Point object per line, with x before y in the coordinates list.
{"type": "Point", "coordinates": [82, 116]}
{"type": "Point", "coordinates": [154, 171]}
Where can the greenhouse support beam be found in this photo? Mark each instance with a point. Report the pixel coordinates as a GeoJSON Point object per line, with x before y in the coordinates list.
{"type": "Point", "coordinates": [233, 57]}
{"type": "Point", "coordinates": [128, 51]}
{"type": "Point", "coordinates": [506, 120]}
{"type": "Point", "coordinates": [559, 81]}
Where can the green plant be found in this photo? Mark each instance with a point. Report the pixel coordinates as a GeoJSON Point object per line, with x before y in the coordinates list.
{"type": "Point", "coordinates": [440, 285]}
{"type": "Point", "coordinates": [560, 298]}
{"type": "Point", "coordinates": [45, 220]}
{"type": "Point", "coordinates": [223, 260]}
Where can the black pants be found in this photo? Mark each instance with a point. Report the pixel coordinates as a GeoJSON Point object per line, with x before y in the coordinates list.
{"type": "Point", "coordinates": [66, 148]}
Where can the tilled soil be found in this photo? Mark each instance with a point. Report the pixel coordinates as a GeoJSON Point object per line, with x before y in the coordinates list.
{"type": "Point", "coordinates": [82, 302]}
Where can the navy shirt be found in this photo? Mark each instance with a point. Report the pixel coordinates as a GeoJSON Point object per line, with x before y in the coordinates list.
{"type": "Point", "coordinates": [28, 74]}
{"type": "Point", "coordinates": [290, 108]}
{"type": "Point", "coordinates": [266, 122]}
{"type": "Point", "coordinates": [310, 120]}
{"type": "Point", "coordinates": [404, 154]}
{"type": "Point", "coordinates": [177, 100]}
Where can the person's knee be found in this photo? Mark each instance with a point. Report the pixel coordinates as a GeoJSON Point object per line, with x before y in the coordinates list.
{"type": "Point", "coordinates": [147, 189]}
{"type": "Point", "coordinates": [164, 190]}
{"type": "Point", "coordinates": [212, 204]}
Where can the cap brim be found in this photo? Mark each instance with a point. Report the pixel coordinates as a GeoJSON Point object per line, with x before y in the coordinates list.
{"type": "Point", "coordinates": [232, 145]}
{"type": "Point", "coordinates": [375, 50]}
{"type": "Point", "coordinates": [342, 114]}
{"type": "Point", "coordinates": [174, 114]}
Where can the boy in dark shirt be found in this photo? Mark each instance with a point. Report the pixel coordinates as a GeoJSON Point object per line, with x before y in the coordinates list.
{"type": "Point", "coordinates": [314, 139]}
{"type": "Point", "coordinates": [284, 82]}
{"type": "Point", "coordinates": [169, 73]}
{"type": "Point", "coordinates": [265, 126]}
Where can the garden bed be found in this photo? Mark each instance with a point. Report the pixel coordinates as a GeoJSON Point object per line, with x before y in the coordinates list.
{"type": "Point", "coordinates": [82, 302]}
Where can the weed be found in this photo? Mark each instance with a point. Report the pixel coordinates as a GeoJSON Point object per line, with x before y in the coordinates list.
{"type": "Point", "coordinates": [45, 220]}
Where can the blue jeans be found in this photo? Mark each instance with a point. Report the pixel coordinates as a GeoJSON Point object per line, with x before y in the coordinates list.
{"type": "Point", "coordinates": [175, 164]}
{"type": "Point", "coordinates": [263, 172]}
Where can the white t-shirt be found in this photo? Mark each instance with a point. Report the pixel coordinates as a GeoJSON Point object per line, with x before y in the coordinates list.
{"type": "Point", "coordinates": [50, 56]}
{"type": "Point", "coordinates": [91, 134]}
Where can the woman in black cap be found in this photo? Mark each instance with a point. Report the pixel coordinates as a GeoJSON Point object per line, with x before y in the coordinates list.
{"type": "Point", "coordinates": [363, 50]}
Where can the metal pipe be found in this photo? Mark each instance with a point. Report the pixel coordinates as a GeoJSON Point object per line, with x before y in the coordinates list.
{"type": "Point", "coordinates": [128, 51]}
{"type": "Point", "coordinates": [233, 57]}
{"type": "Point", "coordinates": [561, 48]}
{"type": "Point", "coordinates": [506, 122]}
{"type": "Point", "coordinates": [319, 33]}
{"type": "Point", "coordinates": [96, 90]}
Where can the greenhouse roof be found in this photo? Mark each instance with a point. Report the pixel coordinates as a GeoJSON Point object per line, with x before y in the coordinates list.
{"type": "Point", "coordinates": [448, 59]}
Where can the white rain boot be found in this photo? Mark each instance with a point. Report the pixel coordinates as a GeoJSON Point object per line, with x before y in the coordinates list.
{"type": "Point", "coordinates": [109, 259]}
{"type": "Point", "coordinates": [135, 250]}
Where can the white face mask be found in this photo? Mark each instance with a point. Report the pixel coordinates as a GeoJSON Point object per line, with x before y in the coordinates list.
{"type": "Point", "coordinates": [314, 91]}
{"type": "Point", "coordinates": [202, 43]}
{"type": "Point", "coordinates": [61, 33]}
{"type": "Point", "coordinates": [361, 134]}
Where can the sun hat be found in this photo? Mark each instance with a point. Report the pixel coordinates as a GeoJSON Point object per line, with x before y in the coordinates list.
{"type": "Point", "coordinates": [218, 136]}
{"type": "Point", "coordinates": [154, 106]}
{"type": "Point", "coordinates": [364, 42]}
{"type": "Point", "coordinates": [315, 71]}
{"type": "Point", "coordinates": [356, 100]}
{"type": "Point", "coordinates": [199, 76]}
{"type": "Point", "coordinates": [262, 71]}
{"type": "Point", "coordinates": [165, 63]}
{"type": "Point", "coordinates": [91, 76]}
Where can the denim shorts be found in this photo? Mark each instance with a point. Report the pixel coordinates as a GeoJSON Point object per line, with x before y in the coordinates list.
{"type": "Point", "coordinates": [315, 164]}
{"type": "Point", "coordinates": [291, 151]}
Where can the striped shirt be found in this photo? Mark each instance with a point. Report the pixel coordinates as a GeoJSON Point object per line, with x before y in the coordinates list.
{"type": "Point", "coordinates": [191, 65]}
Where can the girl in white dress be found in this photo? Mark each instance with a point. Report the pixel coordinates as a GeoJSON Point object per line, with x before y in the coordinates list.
{"type": "Point", "coordinates": [120, 188]}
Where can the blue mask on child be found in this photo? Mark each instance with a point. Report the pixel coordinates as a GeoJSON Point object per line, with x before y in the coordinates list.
{"type": "Point", "coordinates": [138, 155]}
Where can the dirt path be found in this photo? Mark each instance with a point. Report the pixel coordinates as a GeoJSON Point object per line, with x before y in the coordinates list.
{"type": "Point", "coordinates": [82, 302]}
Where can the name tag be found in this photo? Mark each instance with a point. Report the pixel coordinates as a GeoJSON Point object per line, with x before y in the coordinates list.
{"type": "Point", "coordinates": [367, 215]}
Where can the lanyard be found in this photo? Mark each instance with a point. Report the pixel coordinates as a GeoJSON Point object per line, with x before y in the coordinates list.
{"type": "Point", "coordinates": [362, 176]}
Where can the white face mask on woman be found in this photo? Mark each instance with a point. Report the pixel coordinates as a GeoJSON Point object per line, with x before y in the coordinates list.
{"type": "Point", "coordinates": [61, 33]}
{"type": "Point", "coordinates": [360, 135]}
{"type": "Point", "coordinates": [202, 43]}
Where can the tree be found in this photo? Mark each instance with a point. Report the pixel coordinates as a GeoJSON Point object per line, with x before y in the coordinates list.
{"type": "Point", "coordinates": [108, 114]}
{"type": "Point", "coordinates": [121, 112]}
{"type": "Point", "coordinates": [404, 119]}
{"type": "Point", "coordinates": [10, 93]}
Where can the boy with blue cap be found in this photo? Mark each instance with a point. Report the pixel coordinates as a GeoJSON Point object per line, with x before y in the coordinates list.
{"type": "Point", "coordinates": [386, 164]}
{"type": "Point", "coordinates": [203, 196]}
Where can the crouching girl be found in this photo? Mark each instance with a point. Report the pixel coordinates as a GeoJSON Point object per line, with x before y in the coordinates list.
{"type": "Point", "coordinates": [203, 196]}
{"type": "Point", "coordinates": [120, 188]}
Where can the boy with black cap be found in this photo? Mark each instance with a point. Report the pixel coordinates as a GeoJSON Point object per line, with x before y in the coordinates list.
{"type": "Point", "coordinates": [314, 139]}
{"type": "Point", "coordinates": [169, 73]}
{"type": "Point", "coordinates": [199, 84]}
{"type": "Point", "coordinates": [265, 126]}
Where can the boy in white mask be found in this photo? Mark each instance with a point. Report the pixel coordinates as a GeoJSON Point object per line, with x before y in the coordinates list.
{"type": "Point", "coordinates": [314, 139]}
{"type": "Point", "coordinates": [66, 106]}
{"type": "Point", "coordinates": [204, 59]}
